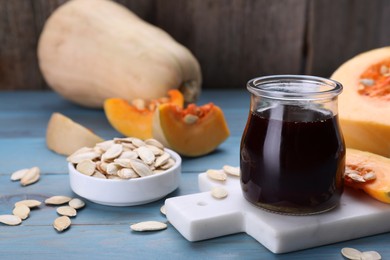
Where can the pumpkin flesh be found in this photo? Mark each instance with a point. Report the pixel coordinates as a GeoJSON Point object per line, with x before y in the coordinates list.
{"type": "Point", "coordinates": [134, 121]}
{"type": "Point", "coordinates": [364, 105]}
{"type": "Point", "coordinates": [362, 162]}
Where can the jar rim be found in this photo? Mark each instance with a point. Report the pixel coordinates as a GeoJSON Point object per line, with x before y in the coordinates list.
{"type": "Point", "coordinates": [294, 87]}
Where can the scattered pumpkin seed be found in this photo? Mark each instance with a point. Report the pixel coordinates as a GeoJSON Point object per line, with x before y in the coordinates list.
{"type": "Point", "coordinates": [62, 223]}
{"type": "Point", "coordinates": [76, 203]}
{"type": "Point", "coordinates": [30, 177]}
{"type": "Point", "coordinates": [67, 211]}
{"type": "Point", "coordinates": [234, 171]}
{"type": "Point", "coordinates": [371, 255]}
{"type": "Point", "coordinates": [216, 175]}
{"type": "Point", "coordinates": [10, 220]}
{"type": "Point", "coordinates": [219, 192]}
{"type": "Point", "coordinates": [17, 175]}
{"type": "Point", "coordinates": [351, 253]}
{"type": "Point", "coordinates": [149, 226]}
{"type": "Point", "coordinates": [163, 210]}
{"type": "Point", "coordinates": [29, 203]}
{"type": "Point", "coordinates": [57, 200]}
{"type": "Point", "coordinates": [22, 211]}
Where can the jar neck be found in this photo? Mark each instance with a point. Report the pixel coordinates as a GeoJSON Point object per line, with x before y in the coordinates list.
{"type": "Point", "coordinates": [294, 88]}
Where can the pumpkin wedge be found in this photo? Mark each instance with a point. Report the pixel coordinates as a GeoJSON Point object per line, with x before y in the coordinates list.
{"type": "Point", "coordinates": [194, 131]}
{"type": "Point", "coordinates": [135, 118]}
{"type": "Point", "coordinates": [364, 105]}
{"type": "Point", "coordinates": [368, 172]}
{"type": "Point", "coordinates": [64, 136]}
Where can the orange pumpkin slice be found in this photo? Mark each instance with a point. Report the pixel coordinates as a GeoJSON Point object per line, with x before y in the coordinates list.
{"type": "Point", "coordinates": [135, 118]}
{"type": "Point", "coordinates": [194, 131]}
{"type": "Point", "coordinates": [364, 105]}
{"type": "Point", "coordinates": [368, 172]}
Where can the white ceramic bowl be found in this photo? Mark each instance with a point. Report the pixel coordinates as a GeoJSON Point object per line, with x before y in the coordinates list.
{"type": "Point", "coordinates": [126, 192]}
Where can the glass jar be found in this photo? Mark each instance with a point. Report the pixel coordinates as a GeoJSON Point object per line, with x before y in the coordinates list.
{"type": "Point", "coordinates": [292, 154]}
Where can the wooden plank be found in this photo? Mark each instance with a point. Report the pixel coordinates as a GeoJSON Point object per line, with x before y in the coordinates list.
{"type": "Point", "coordinates": [339, 30]}
{"type": "Point", "coordinates": [18, 61]}
{"type": "Point", "coordinates": [236, 40]}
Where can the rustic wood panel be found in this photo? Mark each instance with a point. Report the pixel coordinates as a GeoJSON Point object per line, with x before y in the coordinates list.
{"type": "Point", "coordinates": [236, 40]}
{"type": "Point", "coordinates": [18, 62]}
{"type": "Point", "coordinates": [338, 30]}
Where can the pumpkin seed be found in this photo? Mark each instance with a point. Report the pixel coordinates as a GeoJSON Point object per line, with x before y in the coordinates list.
{"type": "Point", "coordinates": [190, 119]}
{"type": "Point", "coordinates": [149, 226]}
{"type": "Point", "coordinates": [31, 176]}
{"type": "Point", "coordinates": [126, 163]}
{"type": "Point", "coordinates": [163, 210]}
{"type": "Point", "coordinates": [356, 177]}
{"type": "Point", "coordinates": [137, 142]}
{"type": "Point", "coordinates": [216, 175]}
{"type": "Point", "coordinates": [219, 192]}
{"type": "Point", "coordinates": [367, 82]}
{"type": "Point", "coordinates": [141, 168]}
{"type": "Point", "coordinates": [161, 160]}
{"type": "Point", "coordinates": [10, 220]}
{"type": "Point", "coordinates": [371, 255]}
{"type": "Point", "coordinates": [28, 203]}
{"type": "Point", "coordinates": [105, 145]}
{"type": "Point", "coordinates": [156, 151]}
{"type": "Point", "coordinates": [128, 155]}
{"type": "Point", "coordinates": [369, 176]}
{"type": "Point", "coordinates": [76, 203]}
{"type": "Point", "coordinates": [113, 152]}
{"type": "Point", "coordinates": [62, 223]}
{"type": "Point", "coordinates": [384, 69]}
{"type": "Point", "coordinates": [168, 164]}
{"type": "Point", "coordinates": [99, 175]}
{"type": "Point", "coordinates": [86, 167]}
{"type": "Point", "coordinates": [139, 103]}
{"type": "Point", "coordinates": [17, 175]}
{"type": "Point", "coordinates": [22, 211]}
{"type": "Point", "coordinates": [146, 155]}
{"type": "Point", "coordinates": [67, 211]}
{"type": "Point", "coordinates": [79, 157]}
{"type": "Point", "coordinates": [234, 171]}
{"type": "Point", "coordinates": [127, 173]}
{"type": "Point", "coordinates": [351, 253]}
{"type": "Point", "coordinates": [155, 143]}
{"type": "Point", "coordinates": [113, 168]}
{"type": "Point", "coordinates": [57, 200]}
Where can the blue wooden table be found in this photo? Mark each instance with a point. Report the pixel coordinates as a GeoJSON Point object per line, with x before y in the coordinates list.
{"type": "Point", "coordinates": [102, 232]}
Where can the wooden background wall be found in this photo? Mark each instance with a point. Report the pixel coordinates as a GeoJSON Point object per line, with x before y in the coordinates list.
{"type": "Point", "coordinates": [234, 40]}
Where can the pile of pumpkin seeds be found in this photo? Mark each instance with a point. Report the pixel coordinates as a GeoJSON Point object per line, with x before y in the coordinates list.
{"type": "Point", "coordinates": [122, 158]}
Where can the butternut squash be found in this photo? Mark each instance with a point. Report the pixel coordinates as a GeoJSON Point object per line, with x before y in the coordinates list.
{"type": "Point", "coordinates": [91, 50]}
{"type": "Point", "coordinates": [364, 105]}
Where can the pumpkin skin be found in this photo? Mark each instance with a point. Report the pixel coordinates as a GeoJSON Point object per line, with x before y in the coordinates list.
{"type": "Point", "coordinates": [132, 121]}
{"type": "Point", "coordinates": [364, 111]}
{"type": "Point", "coordinates": [91, 50]}
{"type": "Point", "coordinates": [360, 161]}
{"type": "Point", "coordinates": [175, 128]}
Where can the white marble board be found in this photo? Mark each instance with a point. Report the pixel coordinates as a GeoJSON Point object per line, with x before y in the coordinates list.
{"type": "Point", "coordinates": [200, 216]}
